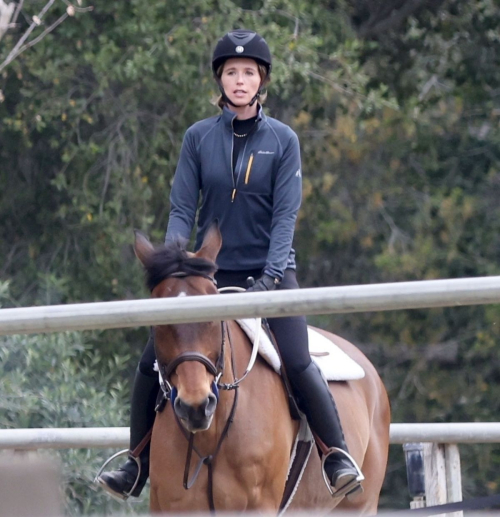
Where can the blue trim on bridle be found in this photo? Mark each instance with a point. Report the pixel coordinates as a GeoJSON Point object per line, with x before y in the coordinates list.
{"type": "Point", "coordinates": [173, 395]}
{"type": "Point", "coordinates": [215, 390]}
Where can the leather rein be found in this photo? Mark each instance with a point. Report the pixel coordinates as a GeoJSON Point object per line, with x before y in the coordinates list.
{"type": "Point", "coordinates": [217, 370]}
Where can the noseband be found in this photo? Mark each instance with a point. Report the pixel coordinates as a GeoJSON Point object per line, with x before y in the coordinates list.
{"type": "Point", "coordinates": [217, 370]}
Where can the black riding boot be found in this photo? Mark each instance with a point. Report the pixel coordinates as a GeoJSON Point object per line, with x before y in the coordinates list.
{"type": "Point", "coordinates": [317, 403]}
{"type": "Point", "coordinates": [142, 415]}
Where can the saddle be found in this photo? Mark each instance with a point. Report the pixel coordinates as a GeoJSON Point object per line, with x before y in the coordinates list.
{"type": "Point", "coordinates": [334, 363]}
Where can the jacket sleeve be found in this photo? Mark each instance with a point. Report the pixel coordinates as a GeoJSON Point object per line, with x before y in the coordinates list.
{"type": "Point", "coordinates": [185, 192]}
{"type": "Point", "coordinates": [287, 196]}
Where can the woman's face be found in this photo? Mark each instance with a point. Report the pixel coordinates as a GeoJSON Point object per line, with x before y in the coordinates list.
{"type": "Point", "coordinates": [240, 80]}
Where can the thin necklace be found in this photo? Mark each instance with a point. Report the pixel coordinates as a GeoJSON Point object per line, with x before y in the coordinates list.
{"type": "Point", "coordinates": [240, 136]}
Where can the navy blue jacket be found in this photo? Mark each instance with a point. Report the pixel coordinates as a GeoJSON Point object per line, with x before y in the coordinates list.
{"type": "Point", "coordinates": [256, 204]}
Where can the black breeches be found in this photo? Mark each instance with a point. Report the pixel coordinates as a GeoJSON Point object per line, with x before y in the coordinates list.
{"type": "Point", "coordinates": [148, 358]}
{"type": "Point", "coordinates": [290, 332]}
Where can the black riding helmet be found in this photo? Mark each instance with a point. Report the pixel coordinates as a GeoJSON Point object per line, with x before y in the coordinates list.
{"type": "Point", "coordinates": [241, 43]}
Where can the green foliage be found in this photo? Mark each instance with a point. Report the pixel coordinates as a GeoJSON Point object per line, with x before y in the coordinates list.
{"type": "Point", "coordinates": [58, 381]}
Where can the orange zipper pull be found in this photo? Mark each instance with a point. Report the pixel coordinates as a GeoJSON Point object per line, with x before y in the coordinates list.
{"type": "Point", "coordinates": [249, 168]}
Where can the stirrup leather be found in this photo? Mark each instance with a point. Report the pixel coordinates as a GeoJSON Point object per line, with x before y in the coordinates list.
{"type": "Point", "coordinates": [125, 495]}
{"type": "Point", "coordinates": [349, 487]}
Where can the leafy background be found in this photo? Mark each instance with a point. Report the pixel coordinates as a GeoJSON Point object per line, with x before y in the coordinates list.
{"type": "Point", "coordinates": [397, 106]}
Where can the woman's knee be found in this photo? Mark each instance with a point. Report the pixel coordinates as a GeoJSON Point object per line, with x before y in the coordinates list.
{"type": "Point", "coordinates": [292, 339]}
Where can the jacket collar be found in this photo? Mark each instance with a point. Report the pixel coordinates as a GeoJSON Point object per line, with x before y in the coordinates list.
{"type": "Point", "coordinates": [228, 116]}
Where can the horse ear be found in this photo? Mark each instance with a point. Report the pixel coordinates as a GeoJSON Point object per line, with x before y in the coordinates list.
{"type": "Point", "coordinates": [142, 247]}
{"type": "Point", "coordinates": [212, 242]}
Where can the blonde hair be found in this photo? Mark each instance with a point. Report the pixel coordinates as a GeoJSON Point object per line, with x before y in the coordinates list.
{"type": "Point", "coordinates": [218, 100]}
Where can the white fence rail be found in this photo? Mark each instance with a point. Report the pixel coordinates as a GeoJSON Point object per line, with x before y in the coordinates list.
{"type": "Point", "coordinates": [117, 437]}
{"type": "Point", "coordinates": [323, 300]}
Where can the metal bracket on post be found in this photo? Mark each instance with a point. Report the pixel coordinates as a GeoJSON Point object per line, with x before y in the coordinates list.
{"type": "Point", "coordinates": [414, 455]}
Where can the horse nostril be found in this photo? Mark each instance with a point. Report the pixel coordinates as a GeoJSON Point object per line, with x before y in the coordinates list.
{"type": "Point", "coordinates": [211, 403]}
{"type": "Point", "coordinates": [181, 409]}
{"type": "Point", "coordinates": [198, 416]}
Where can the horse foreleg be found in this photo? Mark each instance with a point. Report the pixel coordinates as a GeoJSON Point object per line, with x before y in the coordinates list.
{"type": "Point", "coordinates": [154, 504]}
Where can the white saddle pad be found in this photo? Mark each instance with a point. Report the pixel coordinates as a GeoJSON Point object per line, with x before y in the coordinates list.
{"type": "Point", "coordinates": [335, 364]}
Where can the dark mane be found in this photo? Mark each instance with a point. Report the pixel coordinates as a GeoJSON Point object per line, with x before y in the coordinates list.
{"type": "Point", "coordinates": [173, 258]}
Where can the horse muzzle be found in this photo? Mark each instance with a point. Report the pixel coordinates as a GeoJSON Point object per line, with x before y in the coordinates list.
{"type": "Point", "coordinates": [196, 418]}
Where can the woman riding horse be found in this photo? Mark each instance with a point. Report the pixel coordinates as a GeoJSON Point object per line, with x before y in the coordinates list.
{"type": "Point", "coordinates": [247, 168]}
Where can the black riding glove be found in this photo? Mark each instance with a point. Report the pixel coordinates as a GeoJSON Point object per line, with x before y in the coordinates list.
{"type": "Point", "coordinates": [264, 283]}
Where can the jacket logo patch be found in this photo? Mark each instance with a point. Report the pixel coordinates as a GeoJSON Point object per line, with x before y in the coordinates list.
{"type": "Point", "coordinates": [298, 174]}
{"type": "Point", "coordinates": [265, 152]}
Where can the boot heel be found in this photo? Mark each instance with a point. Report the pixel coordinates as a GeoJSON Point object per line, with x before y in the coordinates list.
{"type": "Point", "coordinates": [100, 481]}
{"type": "Point", "coordinates": [353, 486]}
{"type": "Point", "coordinates": [105, 464]}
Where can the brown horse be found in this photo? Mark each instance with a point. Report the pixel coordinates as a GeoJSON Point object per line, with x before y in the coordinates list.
{"type": "Point", "coordinates": [246, 442]}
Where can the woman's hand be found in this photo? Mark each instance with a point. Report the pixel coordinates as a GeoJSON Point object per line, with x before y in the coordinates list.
{"type": "Point", "coordinates": [264, 283]}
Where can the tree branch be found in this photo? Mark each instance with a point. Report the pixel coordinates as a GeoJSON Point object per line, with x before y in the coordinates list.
{"type": "Point", "coordinates": [34, 24]}
{"type": "Point", "coordinates": [42, 35]}
{"type": "Point", "coordinates": [16, 14]}
{"type": "Point", "coordinates": [21, 46]}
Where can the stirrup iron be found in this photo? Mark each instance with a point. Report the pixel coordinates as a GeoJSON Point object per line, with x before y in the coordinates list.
{"type": "Point", "coordinates": [349, 487]}
{"type": "Point", "coordinates": [116, 495]}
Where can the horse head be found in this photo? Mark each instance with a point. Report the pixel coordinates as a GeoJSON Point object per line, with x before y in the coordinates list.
{"type": "Point", "coordinates": [190, 356]}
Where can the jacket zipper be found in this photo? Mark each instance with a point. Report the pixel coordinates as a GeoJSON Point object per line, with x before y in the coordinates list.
{"type": "Point", "coordinates": [247, 175]}
{"type": "Point", "coordinates": [241, 162]}
{"type": "Point", "coordinates": [232, 167]}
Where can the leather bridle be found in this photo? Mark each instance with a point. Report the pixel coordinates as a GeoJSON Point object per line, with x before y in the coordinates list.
{"type": "Point", "coordinates": [217, 370]}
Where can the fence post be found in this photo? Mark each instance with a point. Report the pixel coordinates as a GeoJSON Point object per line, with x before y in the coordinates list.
{"type": "Point", "coordinates": [443, 480]}
{"type": "Point", "coordinates": [453, 475]}
{"type": "Point", "coordinates": [435, 474]}
{"type": "Point", "coordinates": [29, 485]}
